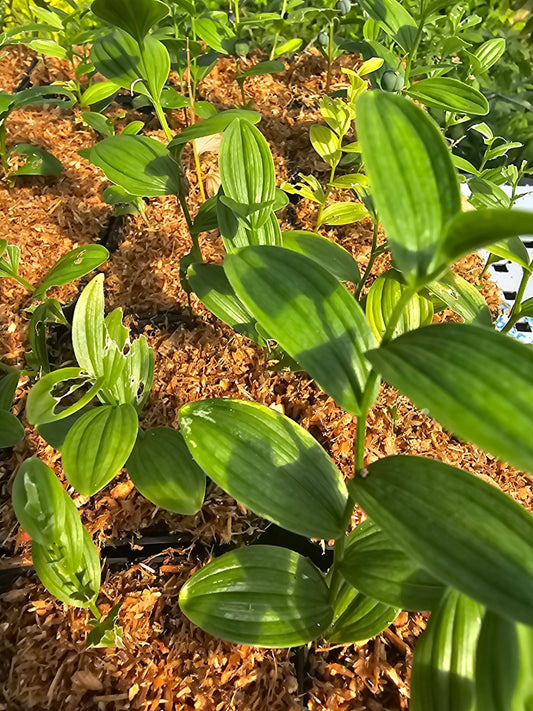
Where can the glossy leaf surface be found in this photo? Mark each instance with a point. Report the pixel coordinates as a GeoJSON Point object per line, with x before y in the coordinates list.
{"type": "Point", "coordinates": [135, 18]}
{"type": "Point", "coordinates": [259, 595]}
{"type": "Point", "coordinates": [343, 213]}
{"type": "Point", "coordinates": [357, 617]}
{"type": "Point", "coordinates": [267, 462]}
{"type": "Point", "coordinates": [212, 287]}
{"type": "Point", "coordinates": [11, 429]}
{"type": "Point", "coordinates": [8, 387]}
{"type": "Point", "coordinates": [73, 265]}
{"type": "Point", "coordinates": [37, 161]}
{"type": "Point", "coordinates": [98, 445]}
{"type": "Point", "coordinates": [486, 551]}
{"type": "Point", "coordinates": [393, 18]}
{"type": "Point", "coordinates": [88, 328]}
{"type": "Point", "coordinates": [162, 469]}
{"type": "Point", "coordinates": [449, 368]}
{"type": "Point", "coordinates": [140, 165]}
{"type": "Point", "coordinates": [407, 157]}
{"type": "Point", "coordinates": [463, 298]}
{"type": "Point", "coordinates": [449, 94]}
{"type": "Point", "coordinates": [310, 314]}
{"type": "Point", "coordinates": [376, 564]}
{"type": "Point", "coordinates": [443, 676]}
{"type": "Point", "coordinates": [322, 250]}
{"type": "Point", "coordinates": [48, 398]}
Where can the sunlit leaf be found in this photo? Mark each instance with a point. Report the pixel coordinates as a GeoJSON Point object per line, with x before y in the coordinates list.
{"type": "Point", "coordinates": [324, 251]}
{"type": "Point", "coordinates": [135, 18]}
{"type": "Point", "coordinates": [73, 265]}
{"type": "Point", "coordinates": [37, 161]}
{"type": "Point", "coordinates": [449, 94]}
{"type": "Point", "coordinates": [357, 617]}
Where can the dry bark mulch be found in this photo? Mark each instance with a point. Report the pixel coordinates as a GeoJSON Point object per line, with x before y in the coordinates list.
{"type": "Point", "coordinates": [166, 662]}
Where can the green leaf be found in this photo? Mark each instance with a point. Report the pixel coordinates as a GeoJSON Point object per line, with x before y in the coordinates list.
{"type": "Point", "coordinates": [288, 47]}
{"type": "Point", "coordinates": [407, 157]}
{"type": "Point", "coordinates": [47, 312]}
{"type": "Point", "coordinates": [140, 165]}
{"type": "Point", "coordinates": [261, 595]}
{"type": "Point", "coordinates": [382, 299]}
{"type": "Point", "coordinates": [88, 329]}
{"type": "Point", "coordinates": [156, 65]}
{"type": "Point", "coordinates": [377, 565]}
{"type": "Point", "coordinates": [310, 314]}
{"type": "Point", "coordinates": [469, 231]}
{"type": "Point", "coordinates": [267, 462]}
{"type": "Point", "coordinates": [342, 213]}
{"type": "Point", "coordinates": [162, 469]}
{"type": "Point", "coordinates": [503, 665]}
{"type": "Point", "coordinates": [262, 68]}
{"type": "Point", "coordinates": [443, 676]}
{"type": "Point", "coordinates": [394, 19]}
{"type": "Point", "coordinates": [11, 429]}
{"type": "Point", "coordinates": [325, 252]}
{"type": "Point", "coordinates": [135, 18]}
{"type": "Point", "coordinates": [8, 386]}
{"type": "Point", "coordinates": [105, 633]}
{"type": "Point", "coordinates": [98, 445]}
{"type": "Point", "coordinates": [55, 433]}
{"type": "Point", "coordinates": [357, 617]}
{"type": "Point", "coordinates": [38, 161]}
{"type": "Point", "coordinates": [74, 585]}
{"type": "Point", "coordinates": [211, 286]}
{"type": "Point", "coordinates": [73, 265]}
{"type": "Point", "coordinates": [464, 531]}
{"type": "Point", "coordinates": [449, 94]}
{"type": "Point", "coordinates": [463, 298]}
{"type": "Point", "coordinates": [48, 47]}
{"type": "Point", "coordinates": [215, 34]}
{"type": "Point", "coordinates": [247, 169]}
{"type": "Point", "coordinates": [99, 123]}
{"type": "Point", "coordinates": [51, 94]}
{"type": "Point", "coordinates": [489, 53]}
{"type": "Point", "coordinates": [118, 58]}
{"type": "Point", "coordinates": [326, 144]}
{"type": "Point", "coordinates": [55, 390]}
{"type": "Point", "coordinates": [9, 263]}
{"type": "Point", "coordinates": [213, 125]}
{"type": "Point", "coordinates": [98, 92]}
{"type": "Point", "coordinates": [449, 369]}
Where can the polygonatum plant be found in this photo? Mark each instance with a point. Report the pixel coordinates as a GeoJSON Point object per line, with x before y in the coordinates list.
{"type": "Point", "coordinates": [436, 538]}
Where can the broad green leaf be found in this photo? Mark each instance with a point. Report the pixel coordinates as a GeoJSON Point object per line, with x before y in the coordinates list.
{"type": "Point", "coordinates": [211, 286]}
{"type": "Point", "coordinates": [272, 67]}
{"type": "Point", "coordinates": [463, 298]}
{"type": "Point", "coordinates": [450, 368]}
{"type": "Point", "coordinates": [288, 47]}
{"type": "Point", "coordinates": [88, 329]}
{"type": "Point", "coordinates": [354, 181]}
{"type": "Point", "coordinates": [73, 265]}
{"type": "Point", "coordinates": [474, 229]}
{"type": "Point", "coordinates": [376, 564]}
{"type": "Point", "coordinates": [162, 469]}
{"type": "Point", "coordinates": [8, 386]}
{"type": "Point", "coordinates": [310, 314]}
{"type": "Point", "coordinates": [6, 102]}
{"type": "Point", "coordinates": [105, 632]}
{"type": "Point", "coordinates": [511, 248]}
{"type": "Point", "coordinates": [357, 617]}
{"type": "Point", "coordinates": [215, 124]}
{"type": "Point", "coordinates": [259, 595]}
{"type": "Point", "coordinates": [215, 34]}
{"type": "Point", "coordinates": [118, 58]}
{"type": "Point", "coordinates": [406, 157]}
{"type": "Point", "coordinates": [38, 161]}
{"type": "Point", "coordinates": [98, 445]}
{"type": "Point", "coordinates": [526, 307]}
{"type": "Point", "coordinates": [133, 128]}
{"type": "Point", "coordinates": [464, 531]}
{"type": "Point", "coordinates": [47, 312]}
{"type": "Point", "coordinates": [449, 94]}
{"type": "Point", "coordinates": [156, 65]}
{"type": "Point", "coordinates": [55, 433]}
{"type": "Point", "coordinates": [136, 18]}
{"type": "Point", "coordinates": [326, 144]}
{"type": "Point", "coordinates": [247, 169]}
{"type": "Point", "coordinates": [336, 113]}
{"type": "Point", "coordinates": [9, 262]}
{"type": "Point", "coordinates": [11, 429]}
{"type": "Point", "coordinates": [48, 47]}
{"type": "Point", "coordinates": [98, 92]}
{"type": "Point", "coordinates": [140, 165]}
{"type": "Point", "coordinates": [236, 233]}
{"type": "Point", "coordinates": [45, 510]}
{"type": "Point", "coordinates": [325, 252]}
{"type": "Point", "coordinates": [267, 462]}
{"type": "Point", "coordinates": [130, 377]}
{"type": "Point", "coordinates": [343, 213]}
{"type": "Point", "coordinates": [99, 123]}
{"type": "Point", "coordinates": [489, 53]}
{"type": "Point", "coordinates": [382, 299]}
{"type": "Point", "coordinates": [443, 676]}
{"type": "Point", "coordinates": [50, 399]}
{"type": "Point", "coordinates": [503, 665]}
{"type": "Point", "coordinates": [76, 585]}
{"type": "Point", "coordinates": [394, 19]}
{"type": "Point", "coordinates": [51, 94]}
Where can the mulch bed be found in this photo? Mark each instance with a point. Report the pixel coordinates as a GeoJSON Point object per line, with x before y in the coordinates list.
{"type": "Point", "coordinates": [165, 661]}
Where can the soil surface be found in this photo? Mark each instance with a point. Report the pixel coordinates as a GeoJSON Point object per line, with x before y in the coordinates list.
{"type": "Point", "coordinates": [166, 662]}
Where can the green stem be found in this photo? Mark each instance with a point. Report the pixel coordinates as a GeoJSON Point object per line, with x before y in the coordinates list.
{"type": "Point", "coordinates": [94, 609]}
{"type": "Point", "coordinates": [330, 56]}
{"type": "Point", "coordinates": [514, 316]}
{"type": "Point", "coordinates": [414, 49]}
{"type": "Point", "coordinates": [326, 195]}
{"type": "Point", "coordinates": [162, 119]}
{"type": "Point", "coordinates": [237, 15]}
{"type": "Point", "coordinates": [372, 259]}
{"type": "Point", "coordinates": [25, 283]}
{"type": "Point", "coordinates": [3, 148]}
{"type": "Point", "coordinates": [276, 36]}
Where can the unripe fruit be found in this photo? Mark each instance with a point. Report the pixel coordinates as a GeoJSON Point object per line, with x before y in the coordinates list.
{"type": "Point", "coordinates": [323, 39]}
{"type": "Point", "coordinates": [242, 47]}
{"type": "Point", "coordinates": [343, 6]}
{"type": "Point", "coordinates": [391, 81]}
